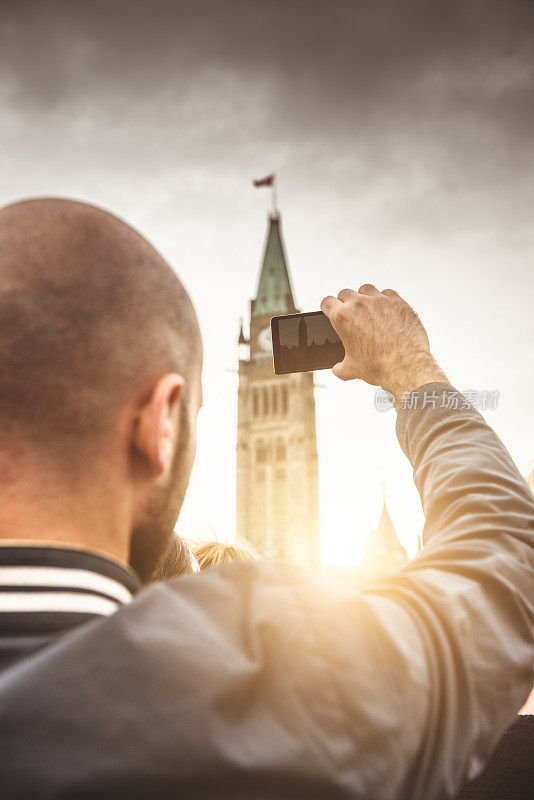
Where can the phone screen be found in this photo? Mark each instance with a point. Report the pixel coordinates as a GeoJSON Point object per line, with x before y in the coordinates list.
{"type": "Point", "coordinates": [305, 342]}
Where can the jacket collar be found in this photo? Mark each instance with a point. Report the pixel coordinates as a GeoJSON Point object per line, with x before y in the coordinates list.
{"type": "Point", "coordinates": [49, 580]}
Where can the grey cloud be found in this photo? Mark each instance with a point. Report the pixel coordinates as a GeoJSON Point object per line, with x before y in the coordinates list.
{"type": "Point", "coordinates": [436, 96]}
{"type": "Point", "coordinates": [349, 54]}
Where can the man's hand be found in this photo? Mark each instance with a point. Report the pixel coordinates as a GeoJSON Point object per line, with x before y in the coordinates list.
{"type": "Point", "coordinates": [385, 341]}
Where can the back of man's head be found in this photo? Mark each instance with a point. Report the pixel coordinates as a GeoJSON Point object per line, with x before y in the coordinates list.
{"type": "Point", "coordinates": [90, 313]}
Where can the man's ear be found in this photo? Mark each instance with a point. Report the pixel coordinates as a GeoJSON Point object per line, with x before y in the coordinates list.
{"type": "Point", "coordinates": [156, 423]}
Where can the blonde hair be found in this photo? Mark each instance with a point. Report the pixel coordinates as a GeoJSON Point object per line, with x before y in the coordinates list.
{"type": "Point", "coordinates": [211, 554]}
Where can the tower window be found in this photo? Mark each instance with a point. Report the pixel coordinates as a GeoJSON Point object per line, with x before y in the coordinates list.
{"type": "Point", "coordinates": [266, 403]}
{"type": "Point", "coordinates": [255, 403]}
{"type": "Point", "coordinates": [280, 452]}
{"type": "Point", "coordinates": [275, 399]}
{"type": "Point", "coordinates": [261, 452]}
{"type": "Point", "coordinates": [284, 400]}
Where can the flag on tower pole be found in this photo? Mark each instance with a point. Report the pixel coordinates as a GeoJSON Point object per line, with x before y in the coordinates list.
{"type": "Point", "coordinates": [269, 180]}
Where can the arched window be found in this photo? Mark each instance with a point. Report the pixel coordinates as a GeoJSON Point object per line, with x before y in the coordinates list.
{"type": "Point", "coordinates": [274, 399]}
{"type": "Point", "coordinates": [284, 400]}
{"type": "Point", "coordinates": [255, 402]}
{"type": "Point", "coordinates": [261, 452]}
{"type": "Point", "coordinates": [280, 450]}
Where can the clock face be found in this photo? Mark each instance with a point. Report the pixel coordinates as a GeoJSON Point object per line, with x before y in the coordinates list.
{"type": "Point", "coordinates": [264, 339]}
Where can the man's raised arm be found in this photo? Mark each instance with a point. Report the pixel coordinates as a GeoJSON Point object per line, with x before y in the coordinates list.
{"type": "Point", "coordinates": [301, 686]}
{"type": "Point", "coordinates": [453, 632]}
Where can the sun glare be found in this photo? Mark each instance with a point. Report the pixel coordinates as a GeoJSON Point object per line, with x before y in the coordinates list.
{"type": "Point", "coordinates": [342, 542]}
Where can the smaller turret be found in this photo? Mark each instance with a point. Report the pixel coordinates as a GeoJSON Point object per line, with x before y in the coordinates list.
{"type": "Point", "coordinates": [242, 343]}
{"type": "Point", "coordinates": [383, 550]}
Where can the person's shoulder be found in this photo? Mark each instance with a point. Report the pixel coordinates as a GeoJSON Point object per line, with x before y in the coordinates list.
{"type": "Point", "coordinates": [275, 599]}
{"type": "Point", "coordinates": [281, 581]}
{"type": "Point", "coordinates": [220, 602]}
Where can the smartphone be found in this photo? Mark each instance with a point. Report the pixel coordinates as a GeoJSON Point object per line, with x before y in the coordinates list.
{"type": "Point", "coordinates": [304, 342]}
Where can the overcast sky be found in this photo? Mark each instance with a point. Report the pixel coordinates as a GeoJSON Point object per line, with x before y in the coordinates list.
{"type": "Point", "coordinates": [402, 135]}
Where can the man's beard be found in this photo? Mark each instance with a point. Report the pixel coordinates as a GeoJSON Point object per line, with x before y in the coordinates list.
{"type": "Point", "coordinates": [152, 535]}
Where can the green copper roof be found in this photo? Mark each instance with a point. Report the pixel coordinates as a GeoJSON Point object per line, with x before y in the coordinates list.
{"type": "Point", "coordinates": [274, 295]}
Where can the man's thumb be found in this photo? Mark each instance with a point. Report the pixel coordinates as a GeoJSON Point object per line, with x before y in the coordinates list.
{"type": "Point", "coordinates": [341, 370]}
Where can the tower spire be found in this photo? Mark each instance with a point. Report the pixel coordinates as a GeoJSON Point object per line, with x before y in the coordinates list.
{"type": "Point", "coordinates": [274, 295]}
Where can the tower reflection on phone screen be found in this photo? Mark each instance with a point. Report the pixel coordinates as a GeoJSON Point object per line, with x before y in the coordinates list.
{"type": "Point", "coordinates": [304, 342]}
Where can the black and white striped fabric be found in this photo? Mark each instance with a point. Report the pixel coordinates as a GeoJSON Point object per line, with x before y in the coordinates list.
{"type": "Point", "coordinates": [56, 587]}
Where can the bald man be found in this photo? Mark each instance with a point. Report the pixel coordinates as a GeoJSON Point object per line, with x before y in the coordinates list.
{"type": "Point", "coordinates": [253, 680]}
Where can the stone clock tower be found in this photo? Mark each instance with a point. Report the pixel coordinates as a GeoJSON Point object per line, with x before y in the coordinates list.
{"type": "Point", "coordinates": [277, 483]}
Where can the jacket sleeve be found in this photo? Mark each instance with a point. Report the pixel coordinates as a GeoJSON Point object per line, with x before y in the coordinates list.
{"type": "Point", "coordinates": [443, 650]}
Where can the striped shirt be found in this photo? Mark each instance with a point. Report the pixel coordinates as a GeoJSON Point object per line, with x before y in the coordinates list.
{"type": "Point", "coordinates": [45, 590]}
